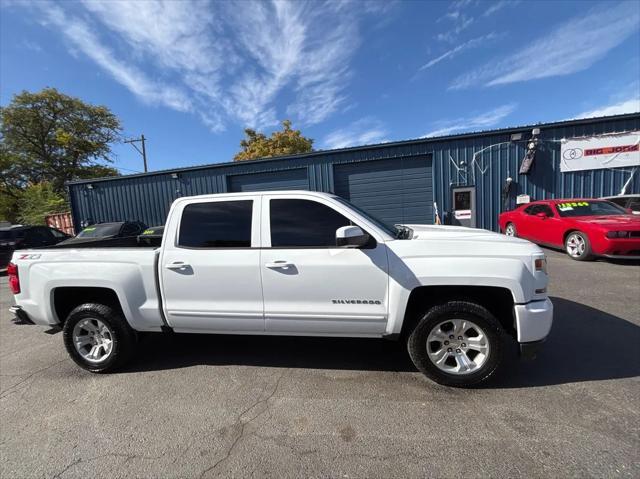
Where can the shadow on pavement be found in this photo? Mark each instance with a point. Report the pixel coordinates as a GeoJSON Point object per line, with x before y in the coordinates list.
{"type": "Point", "coordinates": [585, 344]}
{"type": "Point", "coordinates": [159, 351]}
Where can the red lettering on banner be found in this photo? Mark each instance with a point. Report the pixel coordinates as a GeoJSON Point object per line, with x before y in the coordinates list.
{"type": "Point", "coordinates": [611, 149]}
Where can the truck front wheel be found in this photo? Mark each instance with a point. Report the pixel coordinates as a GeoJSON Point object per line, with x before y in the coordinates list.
{"type": "Point", "coordinates": [458, 343]}
{"type": "Point", "coordinates": [98, 338]}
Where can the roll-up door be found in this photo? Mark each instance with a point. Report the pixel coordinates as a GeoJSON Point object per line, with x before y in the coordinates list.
{"type": "Point", "coordinates": [295, 179]}
{"type": "Point", "coordinates": [398, 190]}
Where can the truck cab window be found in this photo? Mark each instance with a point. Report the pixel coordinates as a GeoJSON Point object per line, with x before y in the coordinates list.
{"type": "Point", "coordinates": [216, 224]}
{"type": "Point", "coordinates": [296, 223]}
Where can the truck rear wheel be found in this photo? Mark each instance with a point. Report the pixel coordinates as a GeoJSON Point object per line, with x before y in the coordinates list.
{"type": "Point", "coordinates": [98, 338]}
{"type": "Point", "coordinates": [457, 343]}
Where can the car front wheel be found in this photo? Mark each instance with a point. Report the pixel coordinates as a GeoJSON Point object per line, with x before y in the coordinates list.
{"type": "Point", "coordinates": [510, 230]}
{"type": "Point", "coordinates": [578, 247]}
{"type": "Point", "coordinates": [458, 343]}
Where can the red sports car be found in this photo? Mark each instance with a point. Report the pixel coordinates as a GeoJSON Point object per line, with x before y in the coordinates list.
{"type": "Point", "coordinates": [585, 228]}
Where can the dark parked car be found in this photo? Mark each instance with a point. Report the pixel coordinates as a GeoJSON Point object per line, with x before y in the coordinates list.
{"type": "Point", "coordinates": [106, 231]}
{"type": "Point", "coordinates": [15, 237]}
{"type": "Point", "coordinates": [152, 236]}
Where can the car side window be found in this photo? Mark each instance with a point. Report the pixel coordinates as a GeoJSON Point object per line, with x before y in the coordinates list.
{"type": "Point", "coordinates": [619, 201]}
{"type": "Point", "coordinates": [531, 210]}
{"type": "Point", "coordinates": [304, 223]}
{"type": "Point", "coordinates": [546, 209]}
{"type": "Point", "coordinates": [131, 229]}
{"type": "Point", "coordinates": [57, 234]}
{"type": "Point", "coordinates": [634, 204]}
{"type": "Point", "coordinates": [216, 224]}
{"type": "Point", "coordinates": [38, 236]}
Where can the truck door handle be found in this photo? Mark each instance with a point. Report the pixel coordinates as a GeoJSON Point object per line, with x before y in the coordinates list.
{"type": "Point", "coordinates": [279, 264]}
{"type": "Point", "coordinates": [177, 265]}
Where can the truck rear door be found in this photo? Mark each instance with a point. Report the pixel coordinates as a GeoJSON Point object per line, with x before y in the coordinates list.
{"type": "Point", "coordinates": [209, 266]}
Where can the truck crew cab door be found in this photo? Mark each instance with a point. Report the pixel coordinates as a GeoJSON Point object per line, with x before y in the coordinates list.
{"type": "Point", "coordinates": [310, 285]}
{"type": "Point", "coordinates": [209, 266]}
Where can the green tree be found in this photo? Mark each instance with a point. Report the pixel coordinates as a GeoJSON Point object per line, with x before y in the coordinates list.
{"type": "Point", "coordinates": [284, 142]}
{"type": "Point", "coordinates": [37, 201]}
{"type": "Point", "coordinates": [52, 137]}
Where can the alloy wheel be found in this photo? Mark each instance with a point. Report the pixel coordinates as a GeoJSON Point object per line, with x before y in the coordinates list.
{"type": "Point", "coordinates": [576, 245]}
{"type": "Point", "coordinates": [93, 340]}
{"type": "Point", "coordinates": [458, 346]}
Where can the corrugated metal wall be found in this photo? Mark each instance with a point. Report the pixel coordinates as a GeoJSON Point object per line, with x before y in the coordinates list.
{"type": "Point", "coordinates": [147, 197]}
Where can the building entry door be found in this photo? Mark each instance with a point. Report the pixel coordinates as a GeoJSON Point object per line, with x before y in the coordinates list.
{"type": "Point", "coordinates": [464, 206]}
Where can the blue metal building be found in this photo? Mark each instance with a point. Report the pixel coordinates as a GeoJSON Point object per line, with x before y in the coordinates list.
{"type": "Point", "coordinates": [398, 182]}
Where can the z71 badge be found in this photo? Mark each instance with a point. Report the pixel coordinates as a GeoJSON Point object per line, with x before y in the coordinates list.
{"type": "Point", "coordinates": [29, 256]}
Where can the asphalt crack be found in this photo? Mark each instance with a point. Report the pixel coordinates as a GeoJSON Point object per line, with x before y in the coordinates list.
{"type": "Point", "coordinates": [13, 388]}
{"type": "Point", "coordinates": [243, 424]}
{"type": "Point", "coordinates": [128, 457]}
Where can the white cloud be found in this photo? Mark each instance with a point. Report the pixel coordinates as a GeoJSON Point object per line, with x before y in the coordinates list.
{"type": "Point", "coordinates": [82, 38]}
{"type": "Point", "coordinates": [459, 16]}
{"type": "Point", "coordinates": [478, 122]}
{"type": "Point", "coordinates": [499, 5]}
{"type": "Point", "coordinates": [245, 62]}
{"type": "Point", "coordinates": [365, 131]}
{"type": "Point", "coordinates": [569, 48]}
{"type": "Point", "coordinates": [630, 105]}
{"type": "Point", "coordinates": [449, 54]}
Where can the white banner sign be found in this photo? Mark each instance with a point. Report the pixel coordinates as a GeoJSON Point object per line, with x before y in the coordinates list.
{"type": "Point", "coordinates": [595, 153]}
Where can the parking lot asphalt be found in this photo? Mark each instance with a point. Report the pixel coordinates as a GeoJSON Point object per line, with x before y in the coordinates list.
{"type": "Point", "coordinates": [229, 406]}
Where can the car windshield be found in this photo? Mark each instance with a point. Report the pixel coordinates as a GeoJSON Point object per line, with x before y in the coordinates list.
{"type": "Point", "coordinates": [100, 231]}
{"type": "Point", "coordinates": [588, 208]}
{"type": "Point", "coordinates": [389, 229]}
{"type": "Point", "coordinates": [5, 235]}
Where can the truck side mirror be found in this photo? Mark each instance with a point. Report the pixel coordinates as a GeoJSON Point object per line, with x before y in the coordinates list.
{"type": "Point", "coordinates": [351, 237]}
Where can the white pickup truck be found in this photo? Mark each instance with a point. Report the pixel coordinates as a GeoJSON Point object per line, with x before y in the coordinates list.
{"type": "Point", "coordinates": [295, 263]}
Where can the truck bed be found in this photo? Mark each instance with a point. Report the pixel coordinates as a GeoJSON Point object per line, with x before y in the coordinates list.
{"type": "Point", "coordinates": [129, 271]}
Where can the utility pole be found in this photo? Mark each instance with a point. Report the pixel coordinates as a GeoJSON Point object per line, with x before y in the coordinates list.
{"type": "Point", "coordinates": [143, 152]}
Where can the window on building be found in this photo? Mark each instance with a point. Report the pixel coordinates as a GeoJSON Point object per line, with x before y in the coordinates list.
{"type": "Point", "coordinates": [216, 224]}
{"type": "Point", "coordinates": [296, 223]}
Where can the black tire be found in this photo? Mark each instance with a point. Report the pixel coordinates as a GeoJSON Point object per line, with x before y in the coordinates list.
{"type": "Point", "coordinates": [465, 310]}
{"type": "Point", "coordinates": [123, 336]}
{"type": "Point", "coordinates": [587, 255]}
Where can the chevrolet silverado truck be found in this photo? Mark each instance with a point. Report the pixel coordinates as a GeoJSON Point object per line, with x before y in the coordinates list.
{"type": "Point", "coordinates": [295, 263]}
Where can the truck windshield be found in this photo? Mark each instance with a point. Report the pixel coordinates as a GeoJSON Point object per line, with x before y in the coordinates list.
{"type": "Point", "coordinates": [389, 229]}
{"type": "Point", "coordinates": [100, 231]}
{"type": "Point", "coordinates": [589, 208]}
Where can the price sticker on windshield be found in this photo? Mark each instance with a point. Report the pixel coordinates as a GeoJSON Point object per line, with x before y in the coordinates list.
{"type": "Point", "coordinates": [571, 205]}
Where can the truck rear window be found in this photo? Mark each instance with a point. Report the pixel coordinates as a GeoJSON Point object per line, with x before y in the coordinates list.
{"type": "Point", "coordinates": [216, 224]}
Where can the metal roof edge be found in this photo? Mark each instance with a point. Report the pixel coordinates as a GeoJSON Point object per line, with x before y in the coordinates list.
{"type": "Point", "coordinates": [430, 139]}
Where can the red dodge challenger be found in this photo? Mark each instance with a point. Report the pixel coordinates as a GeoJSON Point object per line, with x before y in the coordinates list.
{"type": "Point", "coordinates": [585, 228]}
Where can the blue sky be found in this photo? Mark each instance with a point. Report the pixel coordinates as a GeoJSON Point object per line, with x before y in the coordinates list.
{"type": "Point", "coordinates": [192, 75]}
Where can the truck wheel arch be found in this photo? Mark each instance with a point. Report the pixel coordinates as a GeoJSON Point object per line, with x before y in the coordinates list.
{"type": "Point", "coordinates": [67, 298]}
{"type": "Point", "coordinates": [498, 301]}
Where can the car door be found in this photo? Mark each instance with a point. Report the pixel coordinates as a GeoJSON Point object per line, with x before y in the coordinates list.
{"type": "Point", "coordinates": [524, 224]}
{"type": "Point", "coordinates": [310, 285]}
{"type": "Point", "coordinates": [209, 266]}
{"type": "Point", "coordinates": [547, 229]}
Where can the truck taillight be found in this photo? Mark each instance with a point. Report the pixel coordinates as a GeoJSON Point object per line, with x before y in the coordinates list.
{"type": "Point", "coordinates": [14, 279]}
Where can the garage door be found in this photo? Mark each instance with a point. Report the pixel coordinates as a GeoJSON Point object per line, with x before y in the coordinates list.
{"type": "Point", "coordinates": [399, 190]}
{"type": "Point", "coordinates": [274, 180]}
